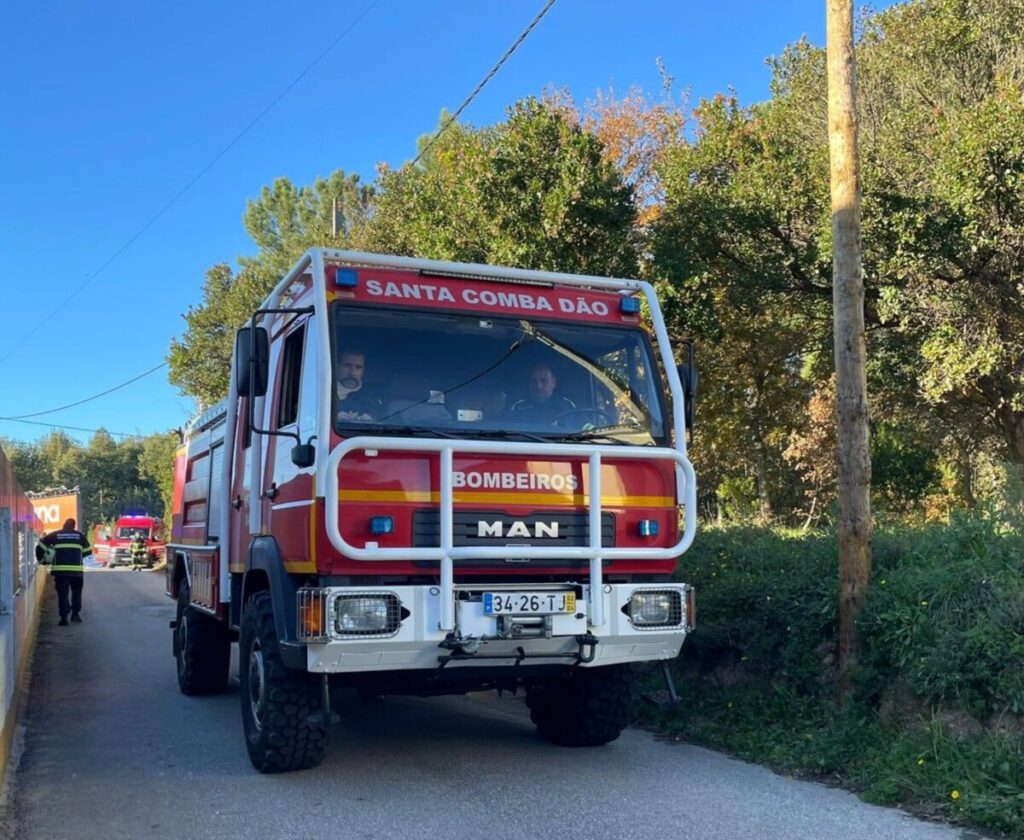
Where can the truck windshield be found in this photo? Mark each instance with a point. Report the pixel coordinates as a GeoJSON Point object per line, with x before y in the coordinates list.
{"type": "Point", "coordinates": [132, 533]}
{"type": "Point", "coordinates": [467, 374]}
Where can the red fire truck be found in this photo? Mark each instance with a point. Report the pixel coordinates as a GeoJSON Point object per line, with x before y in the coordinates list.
{"type": "Point", "coordinates": [116, 549]}
{"type": "Point", "coordinates": [434, 478]}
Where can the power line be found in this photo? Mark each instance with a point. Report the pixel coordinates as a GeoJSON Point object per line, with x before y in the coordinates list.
{"type": "Point", "coordinates": [90, 277]}
{"type": "Point", "coordinates": [87, 399]}
{"type": "Point", "coordinates": [72, 428]}
{"type": "Point", "coordinates": [484, 81]}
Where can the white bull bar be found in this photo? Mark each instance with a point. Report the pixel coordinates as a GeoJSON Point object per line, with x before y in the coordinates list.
{"type": "Point", "coordinates": [446, 552]}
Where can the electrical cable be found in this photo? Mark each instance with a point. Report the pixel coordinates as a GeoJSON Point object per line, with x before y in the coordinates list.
{"type": "Point", "coordinates": [90, 277]}
{"type": "Point", "coordinates": [493, 71]}
{"type": "Point", "coordinates": [72, 428]}
{"type": "Point", "coordinates": [486, 79]}
{"type": "Point", "coordinates": [87, 399]}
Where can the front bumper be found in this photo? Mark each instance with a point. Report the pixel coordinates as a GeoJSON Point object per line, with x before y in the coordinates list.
{"type": "Point", "coordinates": [119, 557]}
{"type": "Point", "coordinates": [418, 643]}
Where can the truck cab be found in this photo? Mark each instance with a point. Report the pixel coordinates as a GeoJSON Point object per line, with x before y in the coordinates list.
{"type": "Point", "coordinates": [434, 478]}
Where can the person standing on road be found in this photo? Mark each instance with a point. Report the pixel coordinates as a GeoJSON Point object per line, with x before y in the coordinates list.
{"type": "Point", "coordinates": [138, 553]}
{"type": "Point", "coordinates": [69, 549]}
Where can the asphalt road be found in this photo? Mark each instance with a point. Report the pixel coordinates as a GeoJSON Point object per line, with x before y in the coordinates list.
{"type": "Point", "coordinates": [113, 750]}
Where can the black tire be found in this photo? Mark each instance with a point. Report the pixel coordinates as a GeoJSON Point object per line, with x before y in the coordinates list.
{"type": "Point", "coordinates": [281, 707]}
{"type": "Point", "coordinates": [202, 649]}
{"type": "Point", "coordinates": [588, 709]}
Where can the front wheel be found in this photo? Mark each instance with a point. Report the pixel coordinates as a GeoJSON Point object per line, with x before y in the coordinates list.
{"type": "Point", "coordinates": [588, 709]}
{"type": "Point", "coordinates": [281, 707]}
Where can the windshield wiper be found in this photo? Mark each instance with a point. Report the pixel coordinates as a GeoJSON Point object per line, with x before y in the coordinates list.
{"type": "Point", "coordinates": [419, 430]}
{"type": "Point", "coordinates": [398, 430]}
{"type": "Point", "coordinates": [503, 434]}
{"type": "Point", "coordinates": [605, 432]}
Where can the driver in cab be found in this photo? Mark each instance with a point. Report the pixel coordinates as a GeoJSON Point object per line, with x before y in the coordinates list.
{"type": "Point", "coordinates": [542, 404]}
{"type": "Point", "coordinates": [355, 402]}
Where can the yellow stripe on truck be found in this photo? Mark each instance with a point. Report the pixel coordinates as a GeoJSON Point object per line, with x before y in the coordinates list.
{"type": "Point", "coordinates": [469, 497]}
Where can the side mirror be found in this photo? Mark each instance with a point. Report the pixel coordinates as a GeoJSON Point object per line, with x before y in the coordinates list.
{"type": "Point", "coordinates": [688, 378]}
{"type": "Point", "coordinates": [252, 361]}
{"type": "Point", "coordinates": [303, 455]}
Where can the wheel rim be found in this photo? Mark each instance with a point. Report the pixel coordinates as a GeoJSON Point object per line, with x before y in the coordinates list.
{"type": "Point", "coordinates": [257, 683]}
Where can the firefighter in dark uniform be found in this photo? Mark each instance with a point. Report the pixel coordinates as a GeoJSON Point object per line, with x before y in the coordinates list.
{"type": "Point", "coordinates": [69, 548]}
{"type": "Point", "coordinates": [139, 553]}
{"type": "Point", "coordinates": [542, 405]}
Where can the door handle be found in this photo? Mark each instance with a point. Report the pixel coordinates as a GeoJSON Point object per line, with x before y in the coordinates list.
{"type": "Point", "coordinates": [271, 492]}
{"type": "Point", "coordinates": [236, 503]}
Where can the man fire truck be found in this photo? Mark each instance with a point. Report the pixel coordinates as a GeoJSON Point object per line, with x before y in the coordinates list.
{"type": "Point", "coordinates": [366, 510]}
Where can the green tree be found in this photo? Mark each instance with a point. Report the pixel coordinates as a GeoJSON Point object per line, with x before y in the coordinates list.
{"type": "Point", "coordinates": [107, 474]}
{"type": "Point", "coordinates": [533, 191]}
{"type": "Point", "coordinates": [745, 237]}
{"type": "Point", "coordinates": [738, 255]}
{"type": "Point", "coordinates": [431, 209]}
{"type": "Point", "coordinates": [200, 359]}
{"type": "Point", "coordinates": [156, 463]}
{"type": "Point", "coordinates": [286, 220]}
{"type": "Point", "coordinates": [283, 222]}
{"type": "Point", "coordinates": [111, 475]}
{"type": "Point", "coordinates": [31, 467]}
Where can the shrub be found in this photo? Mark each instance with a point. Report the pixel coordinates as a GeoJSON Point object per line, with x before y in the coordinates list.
{"type": "Point", "coordinates": [943, 623]}
{"type": "Point", "coordinates": [946, 612]}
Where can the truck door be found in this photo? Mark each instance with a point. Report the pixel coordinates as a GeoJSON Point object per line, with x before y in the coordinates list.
{"type": "Point", "coordinates": [288, 489]}
{"type": "Point", "coordinates": [238, 520]}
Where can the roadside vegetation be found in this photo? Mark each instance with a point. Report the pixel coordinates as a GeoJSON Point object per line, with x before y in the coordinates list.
{"type": "Point", "coordinates": [936, 720]}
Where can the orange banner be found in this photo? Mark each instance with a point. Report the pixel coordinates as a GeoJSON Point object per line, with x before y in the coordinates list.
{"type": "Point", "coordinates": [53, 510]}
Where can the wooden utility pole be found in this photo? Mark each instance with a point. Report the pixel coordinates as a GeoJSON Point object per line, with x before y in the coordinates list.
{"type": "Point", "coordinates": [335, 214]}
{"type": "Point", "coordinates": [848, 334]}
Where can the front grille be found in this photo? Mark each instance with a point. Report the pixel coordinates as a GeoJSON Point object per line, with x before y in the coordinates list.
{"type": "Point", "coordinates": [471, 528]}
{"type": "Point", "coordinates": [119, 555]}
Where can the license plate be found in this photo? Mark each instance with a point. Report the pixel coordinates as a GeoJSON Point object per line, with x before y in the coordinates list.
{"type": "Point", "coordinates": [529, 603]}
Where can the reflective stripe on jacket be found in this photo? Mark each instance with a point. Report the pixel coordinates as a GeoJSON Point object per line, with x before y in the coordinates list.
{"type": "Point", "coordinates": [70, 548]}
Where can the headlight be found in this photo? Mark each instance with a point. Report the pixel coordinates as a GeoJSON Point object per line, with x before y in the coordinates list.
{"type": "Point", "coordinates": [656, 608]}
{"type": "Point", "coordinates": [366, 615]}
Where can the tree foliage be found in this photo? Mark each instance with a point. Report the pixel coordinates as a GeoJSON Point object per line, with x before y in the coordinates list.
{"type": "Point", "coordinates": [745, 236]}
{"type": "Point", "coordinates": [156, 464]}
{"type": "Point", "coordinates": [112, 476]}
{"type": "Point", "coordinates": [534, 191]}
{"type": "Point", "coordinates": [283, 222]}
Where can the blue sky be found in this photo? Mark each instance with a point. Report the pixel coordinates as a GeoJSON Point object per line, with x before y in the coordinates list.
{"type": "Point", "coordinates": [109, 108]}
